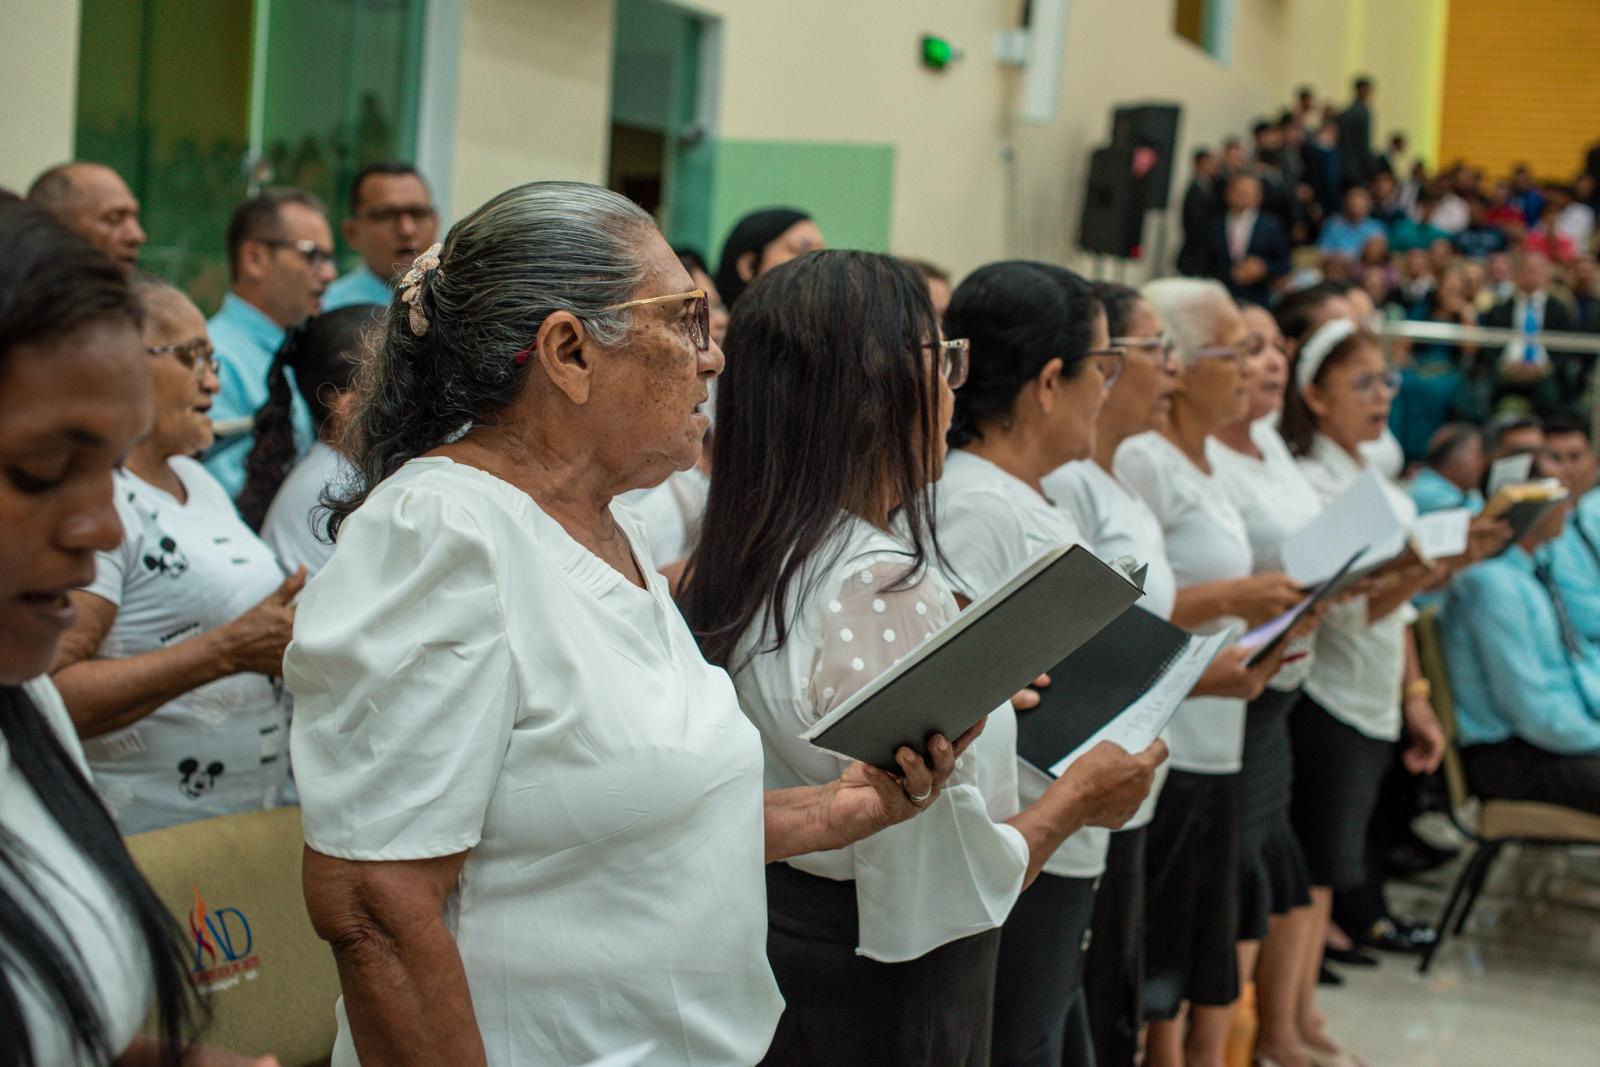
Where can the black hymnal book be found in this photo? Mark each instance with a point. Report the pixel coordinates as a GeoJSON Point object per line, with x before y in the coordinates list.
{"type": "Point", "coordinates": [992, 650]}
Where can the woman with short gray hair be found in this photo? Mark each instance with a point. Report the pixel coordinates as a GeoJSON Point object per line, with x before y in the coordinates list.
{"type": "Point", "coordinates": [534, 815]}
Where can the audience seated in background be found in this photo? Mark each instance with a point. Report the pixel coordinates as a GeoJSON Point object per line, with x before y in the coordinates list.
{"type": "Point", "coordinates": [391, 221]}
{"type": "Point", "coordinates": [170, 671]}
{"type": "Point", "coordinates": [281, 498]}
{"type": "Point", "coordinates": [1454, 471]}
{"type": "Point", "coordinates": [1247, 251]}
{"type": "Point", "coordinates": [93, 201]}
{"type": "Point", "coordinates": [280, 252]}
{"type": "Point", "coordinates": [1526, 682]}
{"type": "Point", "coordinates": [1346, 234]}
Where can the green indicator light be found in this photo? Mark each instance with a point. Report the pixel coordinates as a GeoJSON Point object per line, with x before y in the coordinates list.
{"type": "Point", "coordinates": [936, 52]}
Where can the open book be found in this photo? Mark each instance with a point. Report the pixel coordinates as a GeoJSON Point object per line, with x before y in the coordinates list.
{"type": "Point", "coordinates": [1360, 521]}
{"type": "Point", "coordinates": [1122, 685]}
{"type": "Point", "coordinates": [989, 652]}
{"type": "Point", "coordinates": [1525, 505]}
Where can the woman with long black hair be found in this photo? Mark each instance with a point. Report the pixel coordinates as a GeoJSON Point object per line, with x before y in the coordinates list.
{"type": "Point", "coordinates": [86, 949]}
{"type": "Point", "coordinates": [814, 572]}
{"type": "Point", "coordinates": [283, 498]}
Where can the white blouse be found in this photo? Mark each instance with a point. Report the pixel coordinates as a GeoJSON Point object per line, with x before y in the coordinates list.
{"type": "Point", "coordinates": [1115, 521]}
{"type": "Point", "coordinates": [1206, 542]}
{"type": "Point", "coordinates": [468, 678]}
{"type": "Point", "coordinates": [89, 921]}
{"type": "Point", "coordinates": [992, 525]}
{"type": "Point", "coordinates": [671, 513]}
{"type": "Point", "coordinates": [1275, 501]}
{"type": "Point", "coordinates": [181, 570]}
{"type": "Point", "coordinates": [957, 868]}
{"type": "Point", "coordinates": [1360, 664]}
{"type": "Point", "coordinates": [296, 526]}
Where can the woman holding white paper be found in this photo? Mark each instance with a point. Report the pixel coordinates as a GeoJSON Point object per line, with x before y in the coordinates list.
{"type": "Point", "coordinates": [1041, 364]}
{"type": "Point", "coordinates": [1275, 500]}
{"type": "Point", "coordinates": [812, 576]}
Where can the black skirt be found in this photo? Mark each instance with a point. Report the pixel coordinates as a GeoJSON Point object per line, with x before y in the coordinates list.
{"type": "Point", "coordinates": [1113, 974]}
{"type": "Point", "coordinates": [1040, 974]}
{"type": "Point", "coordinates": [1273, 876]}
{"type": "Point", "coordinates": [842, 1009]}
{"type": "Point", "coordinates": [1192, 895]}
{"type": "Point", "coordinates": [1337, 774]}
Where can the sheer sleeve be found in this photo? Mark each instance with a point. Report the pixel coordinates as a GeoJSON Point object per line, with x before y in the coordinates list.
{"type": "Point", "coordinates": [953, 870]}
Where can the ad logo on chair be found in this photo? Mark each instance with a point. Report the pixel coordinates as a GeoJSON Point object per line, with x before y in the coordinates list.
{"type": "Point", "coordinates": [221, 941]}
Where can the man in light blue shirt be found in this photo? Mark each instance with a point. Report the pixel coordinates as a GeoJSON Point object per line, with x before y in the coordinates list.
{"type": "Point", "coordinates": [1455, 470]}
{"type": "Point", "coordinates": [1347, 233]}
{"type": "Point", "coordinates": [392, 220]}
{"type": "Point", "coordinates": [1575, 555]}
{"type": "Point", "coordinates": [280, 252]}
{"type": "Point", "coordinates": [1526, 682]}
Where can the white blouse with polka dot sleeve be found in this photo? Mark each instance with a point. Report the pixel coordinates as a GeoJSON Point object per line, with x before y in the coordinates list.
{"type": "Point", "coordinates": [957, 868]}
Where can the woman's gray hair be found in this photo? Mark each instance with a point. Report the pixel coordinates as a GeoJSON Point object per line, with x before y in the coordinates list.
{"type": "Point", "coordinates": [531, 251]}
{"type": "Point", "coordinates": [1192, 310]}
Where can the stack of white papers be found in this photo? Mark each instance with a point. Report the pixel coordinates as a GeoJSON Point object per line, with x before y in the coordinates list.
{"type": "Point", "coordinates": [1360, 516]}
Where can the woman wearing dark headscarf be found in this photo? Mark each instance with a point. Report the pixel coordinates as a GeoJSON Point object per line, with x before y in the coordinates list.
{"type": "Point", "coordinates": [760, 241]}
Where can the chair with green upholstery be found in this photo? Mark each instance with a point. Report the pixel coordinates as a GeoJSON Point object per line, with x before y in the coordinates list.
{"type": "Point", "coordinates": [234, 884]}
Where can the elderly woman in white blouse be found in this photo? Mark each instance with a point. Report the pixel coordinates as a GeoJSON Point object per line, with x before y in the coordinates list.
{"type": "Point", "coordinates": [815, 572]}
{"type": "Point", "coordinates": [534, 814]}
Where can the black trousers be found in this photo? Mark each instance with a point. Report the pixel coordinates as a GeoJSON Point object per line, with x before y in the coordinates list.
{"type": "Point", "coordinates": [1039, 980]}
{"type": "Point", "coordinates": [1113, 976]}
{"type": "Point", "coordinates": [843, 1009]}
{"type": "Point", "coordinates": [1516, 770]}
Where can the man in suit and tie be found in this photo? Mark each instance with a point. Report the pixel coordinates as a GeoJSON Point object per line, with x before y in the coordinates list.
{"type": "Point", "coordinates": [1248, 251]}
{"type": "Point", "coordinates": [1357, 164]}
{"type": "Point", "coordinates": [1202, 203]}
{"type": "Point", "coordinates": [1526, 373]}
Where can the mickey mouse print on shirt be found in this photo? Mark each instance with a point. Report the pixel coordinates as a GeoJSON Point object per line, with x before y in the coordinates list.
{"type": "Point", "coordinates": [162, 554]}
{"type": "Point", "coordinates": [195, 781]}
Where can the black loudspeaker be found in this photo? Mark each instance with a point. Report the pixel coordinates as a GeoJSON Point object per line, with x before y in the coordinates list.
{"type": "Point", "coordinates": [1151, 130]}
{"type": "Point", "coordinates": [1113, 206]}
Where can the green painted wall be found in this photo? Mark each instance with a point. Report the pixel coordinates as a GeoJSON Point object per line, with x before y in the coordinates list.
{"type": "Point", "coordinates": [847, 188]}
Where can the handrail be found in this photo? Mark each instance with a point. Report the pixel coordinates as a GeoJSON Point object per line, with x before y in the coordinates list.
{"type": "Point", "coordinates": [1454, 334]}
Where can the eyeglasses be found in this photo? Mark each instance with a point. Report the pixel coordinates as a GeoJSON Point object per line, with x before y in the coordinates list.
{"type": "Point", "coordinates": [1160, 348]}
{"type": "Point", "coordinates": [1111, 361]}
{"type": "Point", "coordinates": [315, 255]}
{"type": "Point", "coordinates": [699, 319]}
{"type": "Point", "coordinates": [954, 356]}
{"type": "Point", "coordinates": [1370, 384]}
{"type": "Point", "coordinates": [388, 216]}
{"type": "Point", "coordinates": [1253, 345]}
{"type": "Point", "coordinates": [197, 357]}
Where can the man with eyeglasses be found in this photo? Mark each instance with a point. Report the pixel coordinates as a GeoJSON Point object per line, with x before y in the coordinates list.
{"type": "Point", "coordinates": [391, 220]}
{"type": "Point", "coordinates": [280, 253]}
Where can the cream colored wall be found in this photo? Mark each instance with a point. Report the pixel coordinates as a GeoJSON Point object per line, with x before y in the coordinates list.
{"type": "Point", "coordinates": [38, 82]}
{"type": "Point", "coordinates": [534, 97]}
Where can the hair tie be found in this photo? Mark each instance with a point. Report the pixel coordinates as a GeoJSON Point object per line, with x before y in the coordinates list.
{"type": "Point", "coordinates": [411, 288]}
{"type": "Point", "coordinates": [1314, 352]}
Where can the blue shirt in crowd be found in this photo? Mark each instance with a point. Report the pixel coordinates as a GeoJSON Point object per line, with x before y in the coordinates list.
{"type": "Point", "coordinates": [1575, 559]}
{"type": "Point", "coordinates": [360, 286]}
{"type": "Point", "coordinates": [1510, 666]}
{"type": "Point", "coordinates": [1342, 237]}
{"type": "Point", "coordinates": [246, 341]}
{"type": "Point", "coordinates": [1432, 491]}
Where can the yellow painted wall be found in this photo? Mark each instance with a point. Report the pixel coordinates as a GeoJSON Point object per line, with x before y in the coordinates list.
{"type": "Point", "coordinates": [1521, 84]}
{"type": "Point", "coordinates": [38, 82]}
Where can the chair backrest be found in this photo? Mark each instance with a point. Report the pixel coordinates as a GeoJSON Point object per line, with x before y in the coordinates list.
{"type": "Point", "coordinates": [234, 884]}
{"type": "Point", "coordinates": [1430, 654]}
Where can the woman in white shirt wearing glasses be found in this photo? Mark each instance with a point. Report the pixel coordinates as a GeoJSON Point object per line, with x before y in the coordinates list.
{"type": "Point", "coordinates": [814, 573]}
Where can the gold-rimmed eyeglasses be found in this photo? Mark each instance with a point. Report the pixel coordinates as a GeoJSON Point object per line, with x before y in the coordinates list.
{"type": "Point", "coordinates": [197, 357]}
{"type": "Point", "coordinates": [954, 356]}
{"type": "Point", "coordinates": [699, 322]}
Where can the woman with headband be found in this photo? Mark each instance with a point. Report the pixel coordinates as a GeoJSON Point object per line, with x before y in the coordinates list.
{"type": "Point", "coordinates": [1365, 680]}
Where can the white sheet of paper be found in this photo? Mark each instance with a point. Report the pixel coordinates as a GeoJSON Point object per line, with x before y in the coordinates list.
{"type": "Point", "coordinates": [1442, 534]}
{"type": "Point", "coordinates": [1138, 725]}
{"type": "Point", "coordinates": [628, 1057]}
{"type": "Point", "coordinates": [1359, 516]}
{"type": "Point", "coordinates": [1509, 470]}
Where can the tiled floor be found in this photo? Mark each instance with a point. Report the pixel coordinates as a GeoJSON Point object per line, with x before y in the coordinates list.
{"type": "Point", "coordinates": [1520, 987]}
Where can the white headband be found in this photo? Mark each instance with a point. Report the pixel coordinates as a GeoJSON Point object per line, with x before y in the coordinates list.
{"type": "Point", "coordinates": [1328, 336]}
